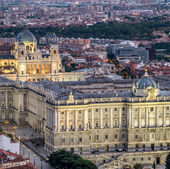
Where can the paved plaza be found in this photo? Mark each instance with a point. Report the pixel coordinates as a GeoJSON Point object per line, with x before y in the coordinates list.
{"type": "Point", "coordinates": [24, 131]}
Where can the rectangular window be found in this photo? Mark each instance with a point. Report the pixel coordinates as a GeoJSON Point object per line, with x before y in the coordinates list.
{"type": "Point", "coordinates": [97, 125]}
{"type": "Point", "coordinates": [10, 116]}
{"type": "Point", "coordinates": [79, 111]}
{"type": "Point", "coordinates": [71, 112]}
{"type": "Point", "coordinates": [80, 139]}
{"type": "Point", "coordinates": [106, 137]}
{"type": "Point", "coordinates": [115, 145]}
{"type": "Point", "coordinates": [136, 109]}
{"type": "Point", "coordinates": [143, 136]}
{"type": "Point", "coordinates": [89, 110]}
{"type": "Point", "coordinates": [136, 136]}
{"type": "Point", "coordinates": [3, 116]}
{"type": "Point", "coordinates": [161, 135]}
{"type": "Point", "coordinates": [123, 136]}
{"type": "Point", "coordinates": [89, 124]}
{"type": "Point", "coordinates": [26, 118]}
{"type": "Point", "coordinates": [167, 135]}
{"type": "Point", "coordinates": [106, 109]}
{"type": "Point", "coordinates": [62, 112]}
{"type": "Point", "coordinates": [71, 127]}
{"type": "Point", "coordinates": [115, 109]}
{"type": "Point", "coordinates": [152, 136]}
{"type": "Point", "coordinates": [167, 108]}
{"type": "Point", "coordinates": [72, 140]}
{"type": "Point", "coordinates": [161, 145]}
{"type": "Point", "coordinates": [96, 110]}
{"type": "Point", "coordinates": [62, 127]}
{"type": "Point", "coordinates": [79, 126]}
{"type": "Point", "coordinates": [123, 108]}
{"type": "Point", "coordinates": [63, 140]}
{"type": "Point", "coordinates": [151, 109]}
{"type": "Point", "coordinates": [115, 122]}
{"type": "Point", "coordinates": [54, 71]}
{"type": "Point", "coordinates": [89, 137]}
{"type": "Point", "coordinates": [97, 137]}
{"type": "Point", "coordinates": [115, 136]}
{"type": "Point", "coordinates": [123, 123]}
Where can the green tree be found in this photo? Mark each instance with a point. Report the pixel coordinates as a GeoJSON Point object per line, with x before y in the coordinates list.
{"type": "Point", "coordinates": [154, 165]}
{"type": "Point", "coordinates": [167, 161]}
{"type": "Point", "coordinates": [63, 159]}
{"type": "Point", "coordinates": [73, 65]}
{"type": "Point", "coordinates": [138, 166]}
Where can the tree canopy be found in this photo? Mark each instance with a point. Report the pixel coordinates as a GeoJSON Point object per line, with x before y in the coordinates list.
{"type": "Point", "coordinates": [110, 30]}
{"type": "Point", "coordinates": [63, 159]}
{"type": "Point", "coordinates": [167, 161]}
{"type": "Point", "coordinates": [138, 166]}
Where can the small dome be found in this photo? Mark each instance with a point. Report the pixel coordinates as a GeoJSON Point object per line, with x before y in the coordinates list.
{"type": "Point", "coordinates": [26, 35]}
{"type": "Point", "coordinates": [145, 82]}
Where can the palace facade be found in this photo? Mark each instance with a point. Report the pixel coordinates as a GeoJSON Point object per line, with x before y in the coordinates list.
{"type": "Point", "coordinates": [26, 61]}
{"type": "Point", "coordinates": [134, 121]}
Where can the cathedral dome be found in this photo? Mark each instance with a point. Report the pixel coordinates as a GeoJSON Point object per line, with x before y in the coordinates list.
{"type": "Point", "coordinates": [145, 82]}
{"type": "Point", "coordinates": [146, 87]}
{"type": "Point", "coordinates": [25, 35]}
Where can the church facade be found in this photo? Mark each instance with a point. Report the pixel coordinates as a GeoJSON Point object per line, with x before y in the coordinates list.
{"type": "Point", "coordinates": [137, 121]}
{"type": "Point", "coordinates": [26, 62]}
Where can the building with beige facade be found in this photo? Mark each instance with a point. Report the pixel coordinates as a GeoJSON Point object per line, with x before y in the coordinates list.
{"type": "Point", "coordinates": [27, 62]}
{"type": "Point", "coordinates": [136, 121]}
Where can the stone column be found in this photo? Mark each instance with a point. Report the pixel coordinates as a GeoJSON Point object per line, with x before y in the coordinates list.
{"type": "Point", "coordinates": [164, 114]}
{"type": "Point", "coordinates": [67, 120]}
{"type": "Point", "coordinates": [75, 119]}
{"type": "Point", "coordinates": [92, 122]}
{"type": "Point", "coordinates": [140, 117]}
{"type": "Point", "coordinates": [111, 117]}
{"type": "Point", "coordinates": [54, 121]}
{"type": "Point", "coordinates": [101, 118]}
{"type": "Point", "coordinates": [129, 122]}
{"type": "Point", "coordinates": [58, 121]}
{"type": "Point", "coordinates": [36, 69]}
{"type": "Point", "coordinates": [146, 124]}
{"type": "Point", "coordinates": [31, 68]}
{"type": "Point", "coordinates": [120, 117]}
{"type": "Point", "coordinates": [45, 68]}
{"type": "Point", "coordinates": [157, 113]}
{"type": "Point", "coordinates": [85, 120]}
{"type": "Point", "coordinates": [40, 69]}
{"type": "Point", "coordinates": [6, 99]}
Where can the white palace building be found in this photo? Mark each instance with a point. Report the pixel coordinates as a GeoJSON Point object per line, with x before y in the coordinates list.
{"type": "Point", "coordinates": [136, 121]}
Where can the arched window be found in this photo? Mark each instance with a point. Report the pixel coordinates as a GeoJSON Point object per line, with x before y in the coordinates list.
{"type": "Point", "coordinates": [22, 53]}
{"type": "Point", "coordinates": [55, 52]}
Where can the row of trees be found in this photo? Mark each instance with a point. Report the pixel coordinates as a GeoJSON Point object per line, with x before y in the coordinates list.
{"type": "Point", "coordinates": [111, 30]}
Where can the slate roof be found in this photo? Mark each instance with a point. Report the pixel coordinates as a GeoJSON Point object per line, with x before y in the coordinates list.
{"type": "Point", "coordinates": [7, 57]}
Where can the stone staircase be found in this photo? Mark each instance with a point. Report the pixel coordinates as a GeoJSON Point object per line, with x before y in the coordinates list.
{"type": "Point", "coordinates": [109, 160]}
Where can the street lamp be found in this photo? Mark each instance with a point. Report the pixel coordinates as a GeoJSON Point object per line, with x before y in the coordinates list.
{"type": "Point", "coordinates": [29, 154]}
{"type": "Point", "coordinates": [7, 122]}
{"type": "Point", "coordinates": [23, 149]}
{"type": "Point", "coordinates": [14, 129]}
{"type": "Point", "coordinates": [34, 158]}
